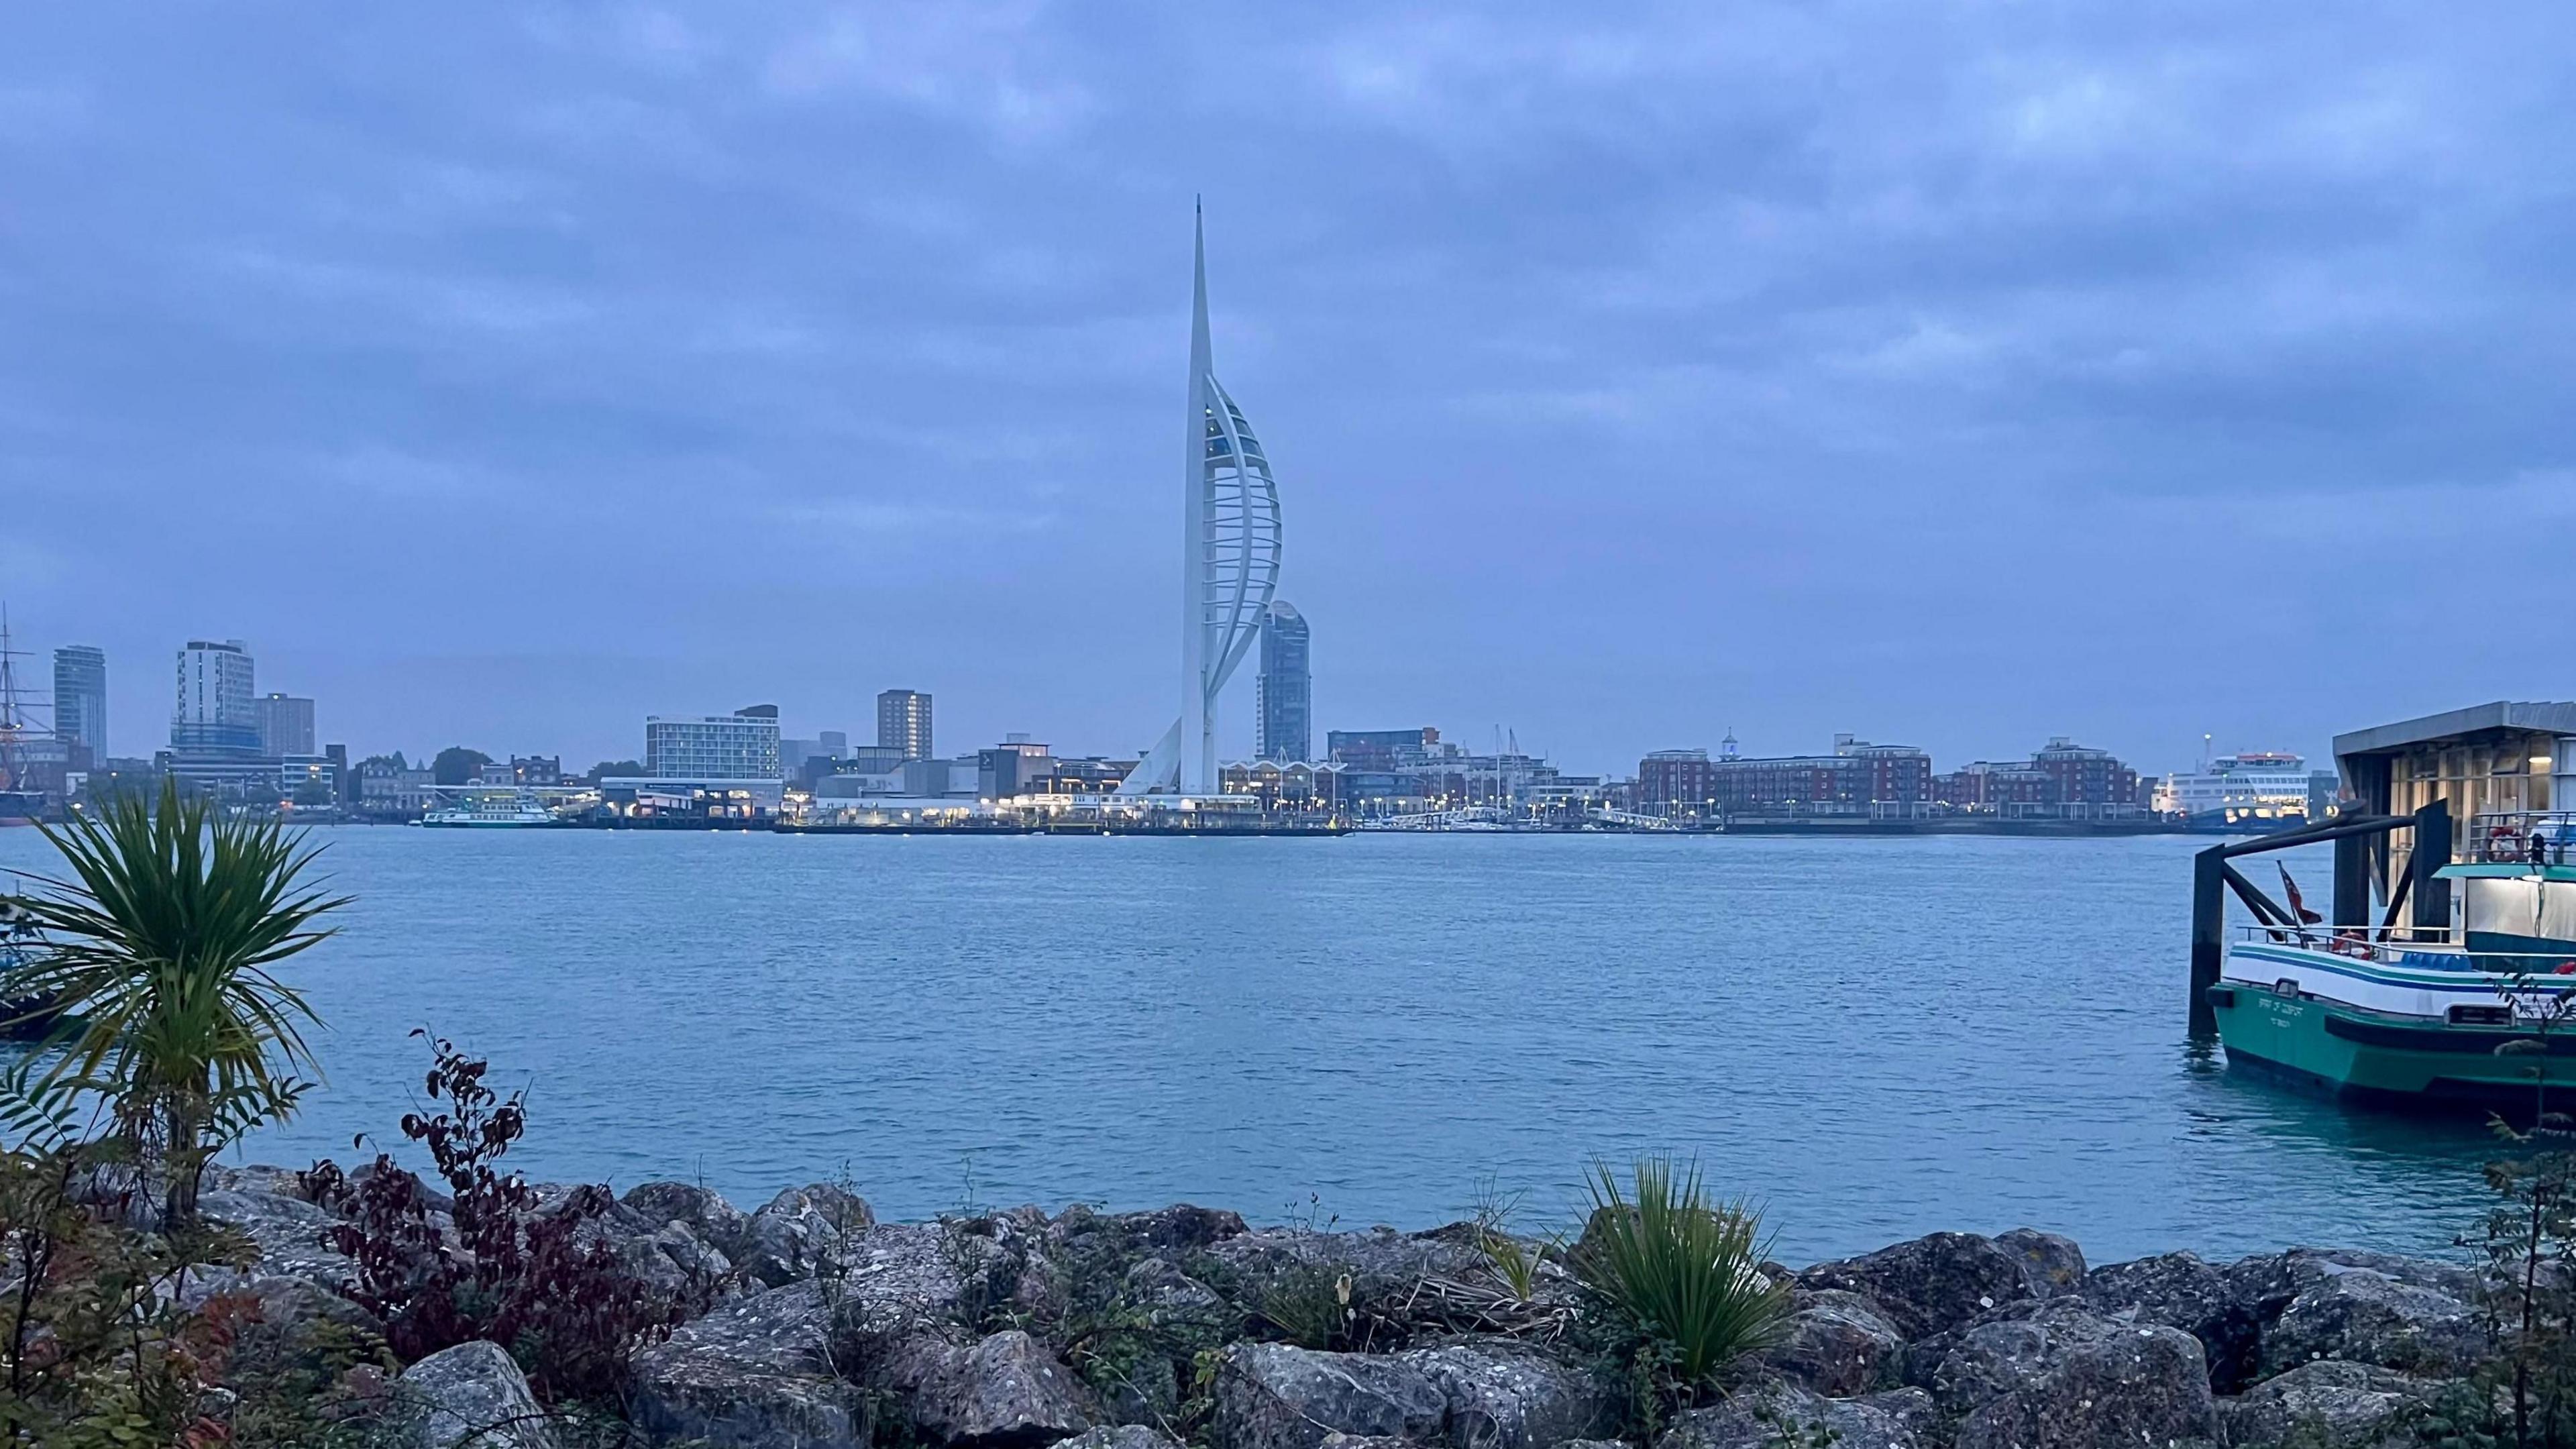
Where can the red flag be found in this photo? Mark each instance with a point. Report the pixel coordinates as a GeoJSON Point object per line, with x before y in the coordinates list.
{"type": "Point", "coordinates": [2298, 907]}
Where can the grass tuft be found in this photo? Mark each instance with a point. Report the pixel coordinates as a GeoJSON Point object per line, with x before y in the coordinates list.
{"type": "Point", "coordinates": [1680, 1268]}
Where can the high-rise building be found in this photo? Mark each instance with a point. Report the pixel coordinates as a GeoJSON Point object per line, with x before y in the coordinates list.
{"type": "Point", "coordinates": [742, 745]}
{"type": "Point", "coordinates": [80, 698]}
{"type": "Point", "coordinates": [1284, 699]}
{"type": "Point", "coordinates": [1230, 542]}
{"type": "Point", "coordinates": [903, 722]}
{"type": "Point", "coordinates": [285, 724]}
{"type": "Point", "coordinates": [215, 712]}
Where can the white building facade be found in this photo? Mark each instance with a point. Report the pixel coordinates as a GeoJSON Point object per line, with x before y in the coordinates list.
{"type": "Point", "coordinates": [738, 746]}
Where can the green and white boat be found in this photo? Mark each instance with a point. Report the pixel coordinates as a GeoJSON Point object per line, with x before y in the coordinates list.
{"type": "Point", "coordinates": [2418, 1015]}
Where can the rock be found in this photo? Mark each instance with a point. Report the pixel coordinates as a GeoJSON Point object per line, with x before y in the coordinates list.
{"type": "Point", "coordinates": [698, 1262]}
{"type": "Point", "coordinates": [2057, 1376]}
{"type": "Point", "coordinates": [2356, 1405]}
{"type": "Point", "coordinates": [2050, 1264]}
{"type": "Point", "coordinates": [1004, 1391]}
{"type": "Point", "coordinates": [1273, 1396]}
{"type": "Point", "coordinates": [1382, 1254]}
{"type": "Point", "coordinates": [1120, 1436]}
{"type": "Point", "coordinates": [1505, 1396]}
{"type": "Point", "coordinates": [756, 1373]}
{"type": "Point", "coordinates": [1785, 1415]}
{"type": "Point", "coordinates": [1157, 1284]}
{"type": "Point", "coordinates": [1164, 1232]}
{"type": "Point", "coordinates": [2178, 1290]}
{"type": "Point", "coordinates": [790, 1237]}
{"type": "Point", "coordinates": [471, 1396]}
{"type": "Point", "coordinates": [253, 1177]}
{"type": "Point", "coordinates": [1837, 1343]}
{"type": "Point", "coordinates": [284, 1301]}
{"type": "Point", "coordinates": [2279, 1277]}
{"type": "Point", "coordinates": [289, 1232]}
{"type": "Point", "coordinates": [712, 1220]}
{"type": "Point", "coordinates": [1931, 1284]}
{"type": "Point", "coordinates": [2364, 1315]}
{"type": "Point", "coordinates": [901, 1278]}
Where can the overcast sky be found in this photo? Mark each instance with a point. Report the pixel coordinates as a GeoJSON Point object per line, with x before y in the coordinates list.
{"type": "Point", "coordinates": [1959, 375]}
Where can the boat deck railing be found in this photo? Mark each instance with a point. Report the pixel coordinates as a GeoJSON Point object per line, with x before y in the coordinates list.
{"type": "Point", "coordinates": [2408, 945]}
{"type": "Point", "coordinates": [2518, 837]}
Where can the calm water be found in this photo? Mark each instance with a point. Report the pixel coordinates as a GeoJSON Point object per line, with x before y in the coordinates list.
{"type": "Point", "coordinates": [1877, 1038]}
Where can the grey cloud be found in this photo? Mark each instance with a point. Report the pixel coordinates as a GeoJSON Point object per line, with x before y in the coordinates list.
{"type": "Point", "coordinates": [1957, 372]}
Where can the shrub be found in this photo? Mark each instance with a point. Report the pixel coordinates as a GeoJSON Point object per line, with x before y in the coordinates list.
{"type": "Point", "coordinates": [1681, 1272]}
{"type": "Point", "coordinates": [519, 1271]}
{"type": "Point", "coordinates": [95, 1349]}
{"type": "Point", "coordinates": [154, 966]}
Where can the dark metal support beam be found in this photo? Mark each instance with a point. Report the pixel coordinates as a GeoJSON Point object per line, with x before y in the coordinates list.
{"type": "Point", "coordinates": [2336, 829]}
{"type": "Point", "coordinates": [2352, 881]}
{"type": "Point", "coordinates": [2397, 902]}
{"type": "Point", "coordinates": [2263, 906]}
{"type": "Point", "coordinates": [2208, 934]}
{"type": "Point", "coordinates": [2432, 852]}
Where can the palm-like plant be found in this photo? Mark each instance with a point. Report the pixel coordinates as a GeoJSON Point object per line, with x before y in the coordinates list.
{"type": "Point", "coordinates": [1681, 1269]}
{"type": "Point", "coordinates": [157, 952]}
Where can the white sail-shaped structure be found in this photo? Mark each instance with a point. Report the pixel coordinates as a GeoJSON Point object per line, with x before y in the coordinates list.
{"type": "Point", "coordinates": [1229, 563]}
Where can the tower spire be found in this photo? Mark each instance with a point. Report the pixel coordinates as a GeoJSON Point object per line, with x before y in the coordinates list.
{"type": "Point", "coordinates": [1229, 554]}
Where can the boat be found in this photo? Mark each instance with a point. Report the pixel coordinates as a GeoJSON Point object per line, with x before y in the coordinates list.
{"type": "Point", "coordinates": [2479, 1011]}
{"type": "Point", "coordinates": [514, 808]}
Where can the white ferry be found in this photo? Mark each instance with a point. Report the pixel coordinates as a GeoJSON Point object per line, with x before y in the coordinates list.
{"type": "Point", "coordinates": [494, 808]}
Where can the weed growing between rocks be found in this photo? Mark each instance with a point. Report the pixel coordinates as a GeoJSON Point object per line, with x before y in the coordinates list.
{"type": "Point", "coordinates": [1678, 1277]}
{"type": "Point", "coordinates": [1514, 1261]}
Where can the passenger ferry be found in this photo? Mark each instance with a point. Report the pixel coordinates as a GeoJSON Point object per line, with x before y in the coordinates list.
{"type": "Point", "coordinates": [2451, 977]}
{"type": "Point", "coordinates": [497, 808]}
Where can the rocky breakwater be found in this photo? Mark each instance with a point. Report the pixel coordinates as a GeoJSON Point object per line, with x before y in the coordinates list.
{"type": "Point", "coordinates": [827, 1329]}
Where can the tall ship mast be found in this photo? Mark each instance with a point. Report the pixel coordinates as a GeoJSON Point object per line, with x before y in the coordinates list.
{"type": "Point", "coordinates": [20, 731]}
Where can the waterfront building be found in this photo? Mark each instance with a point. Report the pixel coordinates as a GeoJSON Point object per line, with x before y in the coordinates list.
{"type": "Point", "coordinates": [1290, 785]}
{"type": "Point", "coordinates": [1284, 693]}
{"type": "Point", "coordinates": [687, 797]}
{"type": "Point", "coordinates": [285, 724]}
{"type": "Point", "coordinates": [742, 745]}
{"type": "Point", "coordinates": [2064, 781]}
{"type": "Point", "coordinates": [534, 770]}
{"type": "Point", "coordinates": [2502, 769]}
{"type": "Point", "coordinates": [1090, 775]}
{"type": "Point", "coordinates": [903, 723]}
{"type": "Point", "coordinates": [386, 789]}
{"type": "Point", "coordinates": [1677, 784]}
{"type": "Point", "coordinates": [215, 728]}
{"type": "Point", "coordinates": [80, 699]}
{"type": "Point", "coordinates": [1012, 768]}
{"type": "Point", "coordinates": [1858, 780]}
{"type": "Point", "coordinates": [1382, 749]}
{"type": "Point", "coordinates": [2088, 779]}
{"type": "Point", "coordinates": [957, 779]}
{"type": "Point", "coordinates": [215, 712]}
{"type": "Point", "coordinates": [2261, 788]}
{"type": "Point", "coordinates": [798, 759]}
{"type": "Point", "coordinates": [1984, 787]}
{"type": "Point", "coordinates": [1230, 551]}
{"type": "Point", "coordinates": [308, 780]}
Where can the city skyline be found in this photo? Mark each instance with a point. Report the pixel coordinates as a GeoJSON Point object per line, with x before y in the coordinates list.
{"type": "Point", "coordinates": [1929, 376]}
{"type": "Point", "coordinates": [249, 727]}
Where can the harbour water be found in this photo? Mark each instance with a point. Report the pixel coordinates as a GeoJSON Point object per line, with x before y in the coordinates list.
{"type": "Point", "coordinates": [1874, 1038]}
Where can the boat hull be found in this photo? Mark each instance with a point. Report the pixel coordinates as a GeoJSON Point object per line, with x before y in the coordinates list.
{"type": "Point", "coordinates": [2374, 1057]}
